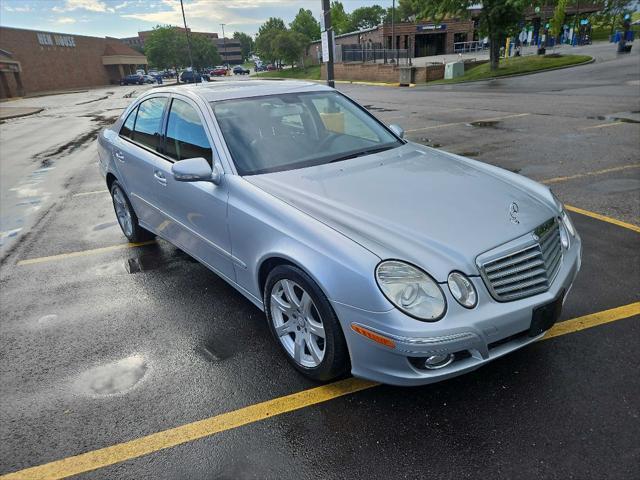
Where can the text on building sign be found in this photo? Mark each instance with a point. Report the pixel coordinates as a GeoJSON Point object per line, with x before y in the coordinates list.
{"type": "Point", "coordinates": [59, 40]}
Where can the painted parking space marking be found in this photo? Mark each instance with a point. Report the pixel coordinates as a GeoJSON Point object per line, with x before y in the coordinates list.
{"type": "Point", "coordinates": [550, 181]}
{"type": "Point", "coordinates": [603, 218]}
{"type": "Point", "coordinates": [603, 125]}
{"type": "Point", "coordinates": [95, 192]}
{"type": "Point", "coordinates": [494, 119]}
{"type": "Point", "coordinates": [182, 434]}
{"type": "Point", "coordinates": [82, 253]}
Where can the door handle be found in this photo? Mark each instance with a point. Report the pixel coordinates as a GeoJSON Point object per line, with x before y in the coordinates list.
{"type": "Point", "coordinates": [160, 178]}
{"type": "Point", "coordinates": [119, 155]}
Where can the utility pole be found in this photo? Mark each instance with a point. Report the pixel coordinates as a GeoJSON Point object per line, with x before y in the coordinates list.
{"type": "Point", "coordinates": [186, 31]}
{"type": "Point", "coordinates": [224, 45]}
{"type": "Point", "coordinates": [393, 26]}
{"type": "Point", "coordinates": [328, 31]}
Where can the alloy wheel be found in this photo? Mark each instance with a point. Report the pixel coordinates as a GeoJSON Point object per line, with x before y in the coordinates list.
{"type": "Point", "coordinates": [122, 212]}
{"type": "Point", "coordinates": [297, 323]}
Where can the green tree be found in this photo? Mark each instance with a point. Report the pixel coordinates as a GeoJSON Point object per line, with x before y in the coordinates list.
{"type": "Point", "coordinates": [203, 52]}
{"type": "Point", "coordinates": [340, 20]}
{"type": "Point", "coordinates": [246, 43]}
{"type": "Point", "coordinates": [165, 47]}
{"type": "Point", "coordinates": [366, 17]}
{"type": "Point", "coordinates": [266, 34]}
{"type": "Point", "coordinates": [498, 18]}
{"type": "Point", "coordinates": [288, 46]}
{"type": "Point", "coordinates": [306, 24]}
{"type": "Point", "coordinates": [557, 22]}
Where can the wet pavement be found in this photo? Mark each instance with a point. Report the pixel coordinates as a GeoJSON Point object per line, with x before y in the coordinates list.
{"type": "Point", "coordinates": [114, 344]}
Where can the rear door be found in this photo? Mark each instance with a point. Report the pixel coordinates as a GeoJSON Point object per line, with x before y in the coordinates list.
{"type": "Point", "coordinates": [195, 213]}
{"type": "Point", "coordinates": [135, 151]}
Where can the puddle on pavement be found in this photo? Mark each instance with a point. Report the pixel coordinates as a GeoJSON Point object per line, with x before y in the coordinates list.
{"type": "Point", "coordinates": [469, 154]}
{"type": "Point", "coordinates": [214, 351]}
{"type": "Point", "coordinates": [485, 124]}
{"type": "Point", "coordinates": [144, 263]}
{"type": "Point", "coordinates": [430, 143]}
{"type": "Point", "coordinates": [115, 377]}
{"type": "Point", "coordinates": [373, 108]}
{"type": "Point", "coordinates": [618, 117]}
{"type": "Point", "coordinates": [102, 226]}
{"type": "Point", "coordinates": [47, 319]}
{"type": "Point", "coordinates": [111, 268]}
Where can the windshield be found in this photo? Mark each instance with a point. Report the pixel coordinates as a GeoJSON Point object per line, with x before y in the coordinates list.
{"type": "Point", "coordinates": [295, 130]}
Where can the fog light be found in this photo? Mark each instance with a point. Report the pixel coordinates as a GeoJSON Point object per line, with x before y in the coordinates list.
{"type": "Point", "coordinates": [435, 362]}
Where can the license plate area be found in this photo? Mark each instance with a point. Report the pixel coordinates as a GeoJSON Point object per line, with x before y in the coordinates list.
{"type": "Point", "coordinates": [545, 316]}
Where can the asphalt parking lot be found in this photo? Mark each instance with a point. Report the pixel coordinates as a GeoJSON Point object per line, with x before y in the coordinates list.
{"type": "Point", "coordinates": [125, 361]}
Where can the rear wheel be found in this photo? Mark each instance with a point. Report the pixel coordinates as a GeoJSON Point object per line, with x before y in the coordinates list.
{"type": "Point", "coordinates": [303, 322]}
{"type": "Point", "coordinates": [127, 218]}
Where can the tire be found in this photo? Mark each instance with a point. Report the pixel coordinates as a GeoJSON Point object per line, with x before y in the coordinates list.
{"type": "Point", "coordinates": [297, 326]}
{"type": "Point", "coordinates": [130, 227]}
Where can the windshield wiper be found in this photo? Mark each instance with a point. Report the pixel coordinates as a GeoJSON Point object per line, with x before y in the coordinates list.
{"type": "Point", "coordinates": [362, 153]}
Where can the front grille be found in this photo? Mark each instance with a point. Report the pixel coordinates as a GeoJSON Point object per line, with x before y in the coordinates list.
{"type": "Point", "coordinates": [528, 271]}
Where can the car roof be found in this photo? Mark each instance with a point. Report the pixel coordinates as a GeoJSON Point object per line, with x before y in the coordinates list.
{"type": "Point", "coordinates": [224, 90]}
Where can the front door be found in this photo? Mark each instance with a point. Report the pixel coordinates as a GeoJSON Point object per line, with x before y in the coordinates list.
{"type": "Point", "coordinates": [195, 213]}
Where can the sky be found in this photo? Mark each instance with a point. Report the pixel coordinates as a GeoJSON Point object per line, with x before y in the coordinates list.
{"type": "Point", "coordinates": [124, 18]}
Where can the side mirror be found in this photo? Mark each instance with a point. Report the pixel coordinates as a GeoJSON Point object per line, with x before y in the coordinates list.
{"type": "Point", "coordinates": [196, 170]}
{"type": "Point", "coordinates": [397, 129]}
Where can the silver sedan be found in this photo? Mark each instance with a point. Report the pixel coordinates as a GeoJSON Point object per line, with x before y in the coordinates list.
{"type": "Point", "coordinates": [368, 254]}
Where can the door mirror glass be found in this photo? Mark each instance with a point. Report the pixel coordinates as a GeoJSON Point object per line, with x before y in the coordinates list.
{"type": "Point", "coordinates": [397, 129]}
{"type": "Point", "coordinates": [195, 170]}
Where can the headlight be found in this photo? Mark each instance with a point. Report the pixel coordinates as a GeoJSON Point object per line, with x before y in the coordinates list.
{"type": "Point", "coordinates": [411, 290]}
{"type": "Point", "coordinates": [566, 226]}
{"type": "Point", "coordinates": [462, 289]}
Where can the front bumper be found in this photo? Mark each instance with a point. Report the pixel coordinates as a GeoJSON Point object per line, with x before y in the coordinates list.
{"type": "Point", "coordinates": [476, 336]}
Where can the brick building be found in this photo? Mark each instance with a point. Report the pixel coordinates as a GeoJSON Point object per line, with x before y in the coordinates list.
{"type": "Point", "coordinates": [228, 48]}
{"type": "Point", "coordinates": [35, 61]}
{"type": "Point", "coordinates": [421, 39]}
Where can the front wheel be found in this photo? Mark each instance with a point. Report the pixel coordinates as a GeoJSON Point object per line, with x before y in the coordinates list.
{"type": "Point", "coordinates": [303, 322]}
{"type": "Point", "coordinates": [127, 218]}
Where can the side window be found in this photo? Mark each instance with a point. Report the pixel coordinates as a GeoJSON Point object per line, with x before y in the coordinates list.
{"type": "Point", "coordinates": [148, 126]}
{"type": "Point", "coordinates": [186, 136]}
{"type": "Point", "coordinates": [127, 127]}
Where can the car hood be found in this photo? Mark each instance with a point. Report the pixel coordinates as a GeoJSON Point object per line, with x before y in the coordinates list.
{"type": "Point", "coordinates": [425, 206]}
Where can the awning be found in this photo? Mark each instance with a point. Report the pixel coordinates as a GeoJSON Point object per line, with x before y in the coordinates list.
{"type": "Point", "coordinates": [124, 60]}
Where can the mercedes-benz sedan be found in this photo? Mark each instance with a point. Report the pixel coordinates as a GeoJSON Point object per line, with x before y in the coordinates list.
{"type": "Point", "coordinates": [397, 262]}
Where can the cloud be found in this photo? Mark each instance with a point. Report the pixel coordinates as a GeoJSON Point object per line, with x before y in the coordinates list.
{"type": "Point", "coordinates": [201, 14]}
{"type": "Point", "coordinates": [18, 9]}
{"type": "Point", "coordinates": [90, 5]}
{"type": "Point", "coordinates": [65, 20]}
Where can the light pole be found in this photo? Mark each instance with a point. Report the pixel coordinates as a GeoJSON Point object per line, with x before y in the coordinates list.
{"type": "Point", "coordinates": [326, 15]}
{"type": "Point", "coordinates": [224, 45]}
{"type": "Point", "coordinates": [186, 31]}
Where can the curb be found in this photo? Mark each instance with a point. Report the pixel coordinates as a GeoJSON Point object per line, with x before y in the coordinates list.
{"type": "Point", "coordinates": [352, 82]}
{"type": "Point", "coordinates": [18, 115]}
{"type": "Point", "coordinates": [587, 62]}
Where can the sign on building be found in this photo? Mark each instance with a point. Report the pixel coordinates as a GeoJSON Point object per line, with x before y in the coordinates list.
{"type": "Point", "coordinates": [50, 40]}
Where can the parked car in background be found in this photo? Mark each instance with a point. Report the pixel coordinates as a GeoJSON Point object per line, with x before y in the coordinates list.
{"type": "Point", "coordinates": [271, 67]}
{"type": "Point", "coordinates": [240, 70]}
{"type": "Point", "coordinates": [133, 79]}
{"type": "Point", "coordinates": [219, 71]}
{"type": "Point", "coordinates": [189, 76]}
{"type": "Point", "coordinates": [259, 67]}
{"type": "Point", "coordinates": [368, 253]}
{"type": "Point", "coordinates": [150, 79]}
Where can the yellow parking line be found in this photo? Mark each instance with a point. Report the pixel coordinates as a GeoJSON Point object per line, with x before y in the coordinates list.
{"type": "Point", "coordinates": [549, 181]}
{"type": "Point", "coordinates": [82, 194]}
{"type": "Point", "coordinates": [604, 218]}
{"type": "Point", "coordinates": [494, 119]}
{"type": "Point", "coordinates": [155, 442]}
{"type": "Point", "coordinates": [593, 320]}
{"type": "Point", "coordinates": [82, 253]}
{"type": "Point", "coordinates": [603, 125]}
